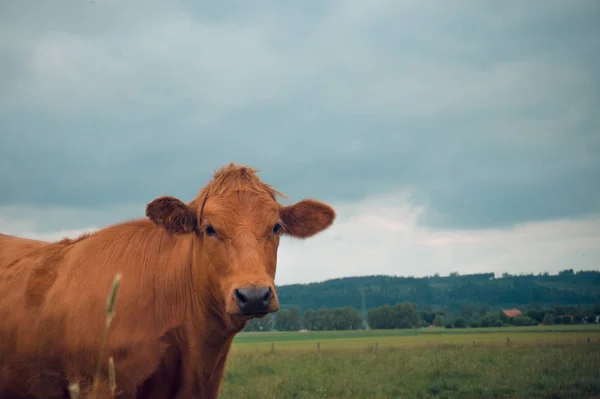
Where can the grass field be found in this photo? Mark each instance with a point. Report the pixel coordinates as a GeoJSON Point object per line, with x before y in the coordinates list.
{"type": "Point", "coordinates": [263, 341]}
{"type": "Point", "coordinates": [539, 362]}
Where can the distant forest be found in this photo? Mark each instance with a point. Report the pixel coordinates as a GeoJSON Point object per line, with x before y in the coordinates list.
{"type": "Point", "coordinates": [476, 300]}
{"type": "Point", "coordinates": [449, 293]}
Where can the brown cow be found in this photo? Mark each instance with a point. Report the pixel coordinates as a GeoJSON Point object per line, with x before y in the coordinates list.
{"type": "Point", "coordinates": [13, 248]}
{"type": "Point", "coordinates": [192, 276]}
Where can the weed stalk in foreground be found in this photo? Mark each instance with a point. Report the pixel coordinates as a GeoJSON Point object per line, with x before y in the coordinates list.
{"type": "Point", "coordinates": [74, 390]}
{"type": "Point", "coordinates": [112, 383]}
{"type": "Point", "coordinates": [110, 313]}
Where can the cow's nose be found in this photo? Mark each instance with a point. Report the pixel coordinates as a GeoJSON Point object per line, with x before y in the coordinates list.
{"type": "Point", "coordinates": [253, 300]}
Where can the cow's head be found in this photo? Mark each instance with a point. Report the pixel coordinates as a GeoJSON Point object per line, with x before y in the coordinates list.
{"type": "Point", "coordinates": [238, 223]}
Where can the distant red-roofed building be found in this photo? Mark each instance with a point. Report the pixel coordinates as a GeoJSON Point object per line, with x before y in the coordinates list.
{"type": "Point", "coordinates": [510, 313]}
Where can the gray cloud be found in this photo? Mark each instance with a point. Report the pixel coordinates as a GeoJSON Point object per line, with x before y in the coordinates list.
{"type": "Point", "coordinates": [487, 115]}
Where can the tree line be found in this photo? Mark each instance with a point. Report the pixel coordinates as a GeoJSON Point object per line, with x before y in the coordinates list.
{"type": "Point", "coordinates": [344, 318]}
{"type": "Point", "coordinates": [447, 292]}
{"type": "Point", "coordinates": [405, 315]}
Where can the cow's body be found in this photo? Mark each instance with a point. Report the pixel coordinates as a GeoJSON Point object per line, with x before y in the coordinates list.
{"type": "Point", "coordinates": [171, 332]}
{"type": "Point", "coordinates": [13, 248]}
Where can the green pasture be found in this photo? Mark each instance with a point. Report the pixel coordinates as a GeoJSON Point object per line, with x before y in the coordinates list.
{"type": "Point", "coordinates": [263, 341]}
{"type": "Point", "coordinates": [540, 362]}
{"type": "Point", "coordinates": [563, 371]}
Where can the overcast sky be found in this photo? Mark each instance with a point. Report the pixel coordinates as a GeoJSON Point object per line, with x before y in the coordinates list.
{"type": "Point", "coordinates": [449, 136]}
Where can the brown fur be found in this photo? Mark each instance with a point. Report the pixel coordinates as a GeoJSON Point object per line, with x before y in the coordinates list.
{"type": "Point", "coordinates": [233, 177]}
{"type": "Point", "coordinates": [176, 315]}
{"type": "Point", "coordinates": [13, 248]}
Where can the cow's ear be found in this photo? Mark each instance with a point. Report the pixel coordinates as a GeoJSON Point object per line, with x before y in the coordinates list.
{"type": "Point", "coordinates": [306, 218]}
{"type": "Point", "coordinates": [172, 214]}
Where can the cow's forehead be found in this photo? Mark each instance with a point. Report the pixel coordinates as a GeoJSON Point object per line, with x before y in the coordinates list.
{"type": "Point", "coordinates": [241, 203]}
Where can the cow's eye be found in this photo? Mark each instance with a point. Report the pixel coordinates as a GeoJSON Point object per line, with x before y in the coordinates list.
{"type": "Point", "coordinates": [276, 228]}
{"type": "Point", "coordinates": [210, 231]}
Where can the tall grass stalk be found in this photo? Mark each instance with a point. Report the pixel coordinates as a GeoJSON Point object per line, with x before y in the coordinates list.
{"type": "Point", "coordinates": [112, 383]}
{"type": "Point", "coordinates": [74, 390]}
{"type": "Point", "coordinates": [110, 313]}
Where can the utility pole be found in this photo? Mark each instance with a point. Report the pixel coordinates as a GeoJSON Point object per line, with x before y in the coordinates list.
{"type": "Point", "coordinates": [364, 309]}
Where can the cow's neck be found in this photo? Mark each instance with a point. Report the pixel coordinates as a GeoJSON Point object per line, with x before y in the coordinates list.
{"type": "Point", "coordinates": [195, 364]}
{"type": "Point", "coordinates": [206, 375]}
{"type": "Point", "coordinates": [209, 334]}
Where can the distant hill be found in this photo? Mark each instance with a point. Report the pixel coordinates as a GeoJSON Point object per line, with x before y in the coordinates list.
{"type": "Point", "coordinates": [451, 292]}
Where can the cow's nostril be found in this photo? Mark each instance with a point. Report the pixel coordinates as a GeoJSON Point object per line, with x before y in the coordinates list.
{"type": "Point", "coordinates": [267, 295]}
{"type": "Point", "coordinates": [241, 298]}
